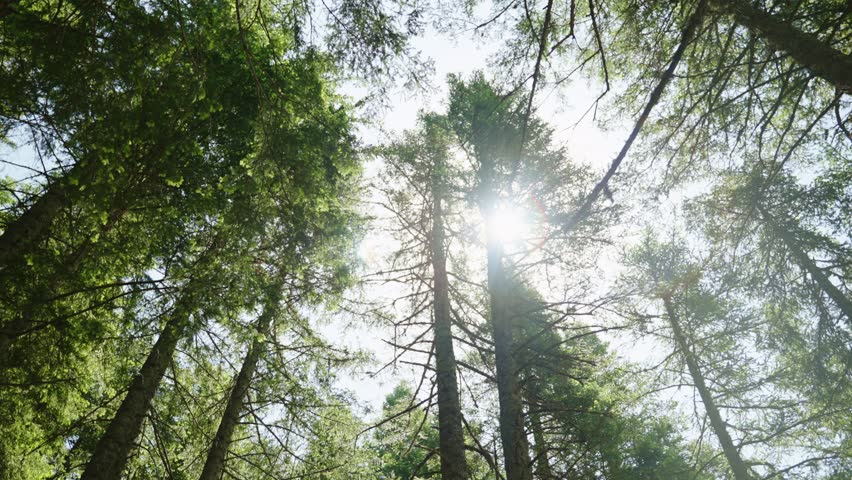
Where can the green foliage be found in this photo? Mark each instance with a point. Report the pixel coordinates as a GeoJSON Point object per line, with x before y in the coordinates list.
{"type": "Point", "coordinates": [405, 444]}
{"type": "Point", "coordinates": [194, 166]}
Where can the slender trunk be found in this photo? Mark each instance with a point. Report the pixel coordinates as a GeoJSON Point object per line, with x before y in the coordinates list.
{"type": "Point", "coordinates": [807, 264]}
{"type": "Point", "coordinates": [817, 275]}
{"type": "Point", "coordinates": [25, 233]}
{"type": "Point", "coordinates": [542, 462]}
{"type": "Point", "coordinates": [731, 453]}
{"type": "Point", "coordinates": [602, 186]}
{"type": "Point", "coordinates": [805, 48]}
{"type": "Point", "coordinates": [214, 466]}
{"type": "Point", "coordinates": [115, 446]}
{"type": "Point", "coordinates": [451, 436]}
{"type": "Point", "coordinates": [513, 438]}
{"type": "Point", "coordinates": [512, 434]}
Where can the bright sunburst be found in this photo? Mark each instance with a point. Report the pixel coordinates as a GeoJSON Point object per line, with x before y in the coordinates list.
{"type": "Point", "coordinates": [510, 224]}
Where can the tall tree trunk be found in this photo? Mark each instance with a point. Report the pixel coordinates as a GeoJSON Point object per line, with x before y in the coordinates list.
{"type": "Point", "coordinates": [689, 31]}
{"type": "Point", "coordinates": [804, 261]}
{"type": "Point", "coordinates": [731, 453]}
{"type": "Point", "coordinates": [23, 234]}
{"type": "Point", "coordinates": [806, 49]}
{"type": "Point", "coordinates": [214, 466]}
{"type": "Point", "coordinates": [450, 434]}
{"type": "Point", "coordinates": [114, 447]}
{"type": "Point", "coordinates": [24, 323]}
{"type": "Point", "coordinates": [512, 434]}
{"type": "Point", "coordinates": [542, 461]}
{"type": "Point", "coordinates": [817, 274]}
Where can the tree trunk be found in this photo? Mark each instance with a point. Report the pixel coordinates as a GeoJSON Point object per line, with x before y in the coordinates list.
{"type": "Point", "coordinates": [214, 466]}
{"type": "Point", "coordinates": [731, 453]}
{"type": "Point", "coordinates": [806, 49]}
{"type": "Point", "coordinates": [114, 447]}
{"type": "Point", "coordinates": [25, 323]}
{"type": "Point", "coordinates": [451, 436]}
{"type": "Point", "coordinates": [512, 434]}
{"type": "Point", "coordinates": [807, 264]}
{"type": "Point", "coordinates": [817, 275]}
{"type": "Point", "coordinates": [542, 462]}
{"type": "Point", "coordinates": [23, 234]}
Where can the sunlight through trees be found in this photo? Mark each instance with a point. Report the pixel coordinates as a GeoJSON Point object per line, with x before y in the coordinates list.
{"type": "Point", "coordinates": [398, 240]}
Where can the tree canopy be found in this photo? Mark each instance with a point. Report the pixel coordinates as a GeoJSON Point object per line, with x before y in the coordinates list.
{"type": "Point", "coordinates": [613, 242]}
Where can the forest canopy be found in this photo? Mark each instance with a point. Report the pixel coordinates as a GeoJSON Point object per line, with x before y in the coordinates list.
{"type": "Point", "coordinates": [401, 240]}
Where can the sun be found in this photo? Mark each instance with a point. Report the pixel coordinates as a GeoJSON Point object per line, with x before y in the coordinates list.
{"type": "Point", "coordinates": [510, 224]}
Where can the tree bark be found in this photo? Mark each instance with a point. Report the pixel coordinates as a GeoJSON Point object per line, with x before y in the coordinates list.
{"type": "Point", "coordinates": [540, 459]}
{"type": "Point", "coordinates": [214, 466]}
{"type": "Point", "coordinates": [27, 231]}
{"type": "Point", "coordinates": [23, 235]}
{"type": "Point", "coordinates": [512, 434]}
{"type": "Point", "coordinates": [114, 447]}
{"type": "Point", "coordinates": [451, 436]}
{"type": "Point", "coordinates": [806, 49]}
{"type": "Point", "coordinates": [731, 453]}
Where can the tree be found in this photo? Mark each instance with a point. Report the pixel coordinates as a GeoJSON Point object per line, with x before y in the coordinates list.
{"type": "Point", "coordinates": [730, 348]}
{"type": "Point", "coordinates": [422, 159]}
{"type": "Point", "coordinates": [672, 281]}
{"type": "Point", "coordinates": [490, 129]}
{"type": "Point", "coordinates": [581, 420]}
{"type": "Point", "coordinates": [406, 443]}
{"type": "Point", "coordinates": [452, 451]}
{"type": "Point", "coordinates": [214, 466]}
